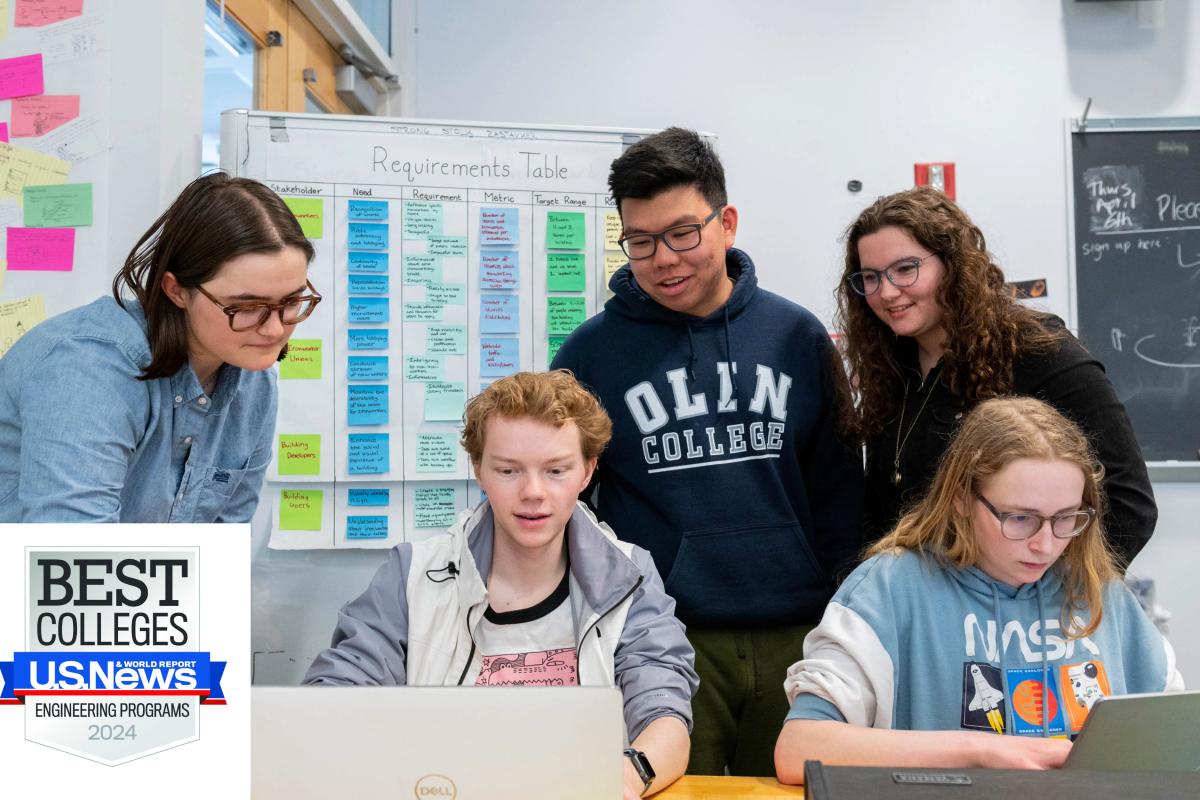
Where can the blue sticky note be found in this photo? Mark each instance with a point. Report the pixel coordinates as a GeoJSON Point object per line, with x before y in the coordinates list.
{"type": "Point", "coordinates": [368, 210]}
{"type": "Point", "coordinates": [369, 497]}
{"type": "Point", "coordinates": [499, 269]}
{"type": "Point", "coordinates": [367, 454]}
{"type": "Point", "coordinates": [367, 339]}
{"type": "Point", "coordinates": [499, 356]}
{"type": "Point", "coordinates": [498, 226]}
{"type": "Point", "coordinates": [499, 313]}
{"type": "Point", "coordinates": [367, 368]}
{"type": "Point", "coordinates": [366, 527]}
{"type": "Point", "coordinates": [367, 236]}
{"type": "Point", "coordinates": [375, 263]}
{"type": "Point", "coordinates": [368, 309]}
{"type": "Point", "coordinates": [368, 284]}
{"type": "Point", "coordinates": [367, 404]}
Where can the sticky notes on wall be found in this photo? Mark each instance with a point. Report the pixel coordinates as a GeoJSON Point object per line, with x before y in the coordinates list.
{"type": "Point", "coordinates": [367, 310]}
{"type": "Point", "coordinates": [40, 114]}
{"type": "Point", "coordinates": [421, 269]}
{"type": "Point", "coordinates": [310, 213]}
{"type": "Point", "coordinates": [368, 497]}
{"type": "Point", "coordinates": [437, 452]}
{"type": "Point", "coordinates": [366, 527]}
{"type": "Point", "coordinates": [367, 339]}
{"type": "Point", "coordinates": [367, 453]}
{"type": "Point", "coordinates": [499, 269]}
{"type": "Point", "coordinates": [433, 507]}
{"type": "Point", "coordinates": [367, 284]}
{"type": "Point", "coordinates": [612, 230]}
{"type": "Point", "coordinates": [363, 261]}
{"type": "Point", "coordinates": [21, 76]}
{"type": "Point", "coordinates": [367, 236]}
{"type": "Point", "coordinates": [444, 401]}
{"type": "Point", "coordinates": [303, 360]}
{"type": "Point", "coordinates": [36, 13]}
{"type": "Point", "coordinates": [566, 272]}
{"type": "Point", "coordinates": [564, 314]}
{"type": "Point", "coordinates": [60, 206]}
{"type": "Point", "coordinates": [448, 339]}
{"type": "Point", "coordinates": [367, 404]}
{"type": "Point", "coordinates": [301, 509]}
{"type": "Point", "coordinates": [299, 454]}
{"type": "Point", "coordinates": [499, 356]}
{"type": "Point", "coordinates": [422, 220]}
{"type": "Point", "coordinates": [367, 210]}
{"type": "Point", "coordinates": [367, 368]}
{"type": "Point", "coordinates": [565, 230]}
{"type": "Point", "coordinates": [499, 313]}
{"type": "Point", "coordinates": [45, 249]}
{"type": "Point", "coordinates": [498, 226]}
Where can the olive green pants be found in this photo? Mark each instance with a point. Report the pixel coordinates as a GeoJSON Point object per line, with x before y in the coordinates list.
{"type": "Point", "coordinates": [739, 708]}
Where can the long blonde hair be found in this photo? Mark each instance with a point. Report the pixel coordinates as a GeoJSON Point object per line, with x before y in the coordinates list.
{"type": "Point", "coordinates": [995, 433]}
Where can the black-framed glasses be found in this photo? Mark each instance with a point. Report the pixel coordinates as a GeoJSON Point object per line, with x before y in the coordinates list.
{"type": "Point", "coordinates": [677, 238]}
{"type": "Point", "coordinates": [248, 316]}
{"type": "Point", "coordinates": [900, 274]}
{"type": "Point", "coordinates": [1021, 525]}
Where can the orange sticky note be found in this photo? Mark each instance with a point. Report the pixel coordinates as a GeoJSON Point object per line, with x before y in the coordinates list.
{"type": "Point", "coordinates": [36, 13]}
{"type": "Point", "coordinates": [21, 76]}
{"type": "Point", "coordinates": [44, 249]}
{"type": "Point", "coordinates": [34, 116]}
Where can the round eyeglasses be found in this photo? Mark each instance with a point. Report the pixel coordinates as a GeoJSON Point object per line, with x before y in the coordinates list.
{"type": "Point", "coordinates": [677, 238]}
{"type": "Point", "coordinates": [248, 316]}
{"type": "Point", "coordinates": [900, 274]}
{"type": "Point", "coordinates": [1020, 525]}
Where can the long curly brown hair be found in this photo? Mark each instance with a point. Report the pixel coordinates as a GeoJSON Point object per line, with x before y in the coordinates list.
{"type": "Point", "coordinates": [986, 328]}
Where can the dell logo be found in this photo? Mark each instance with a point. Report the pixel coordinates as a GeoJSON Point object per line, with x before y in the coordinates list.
{"type": "Point", "coordinates": [435, 787]}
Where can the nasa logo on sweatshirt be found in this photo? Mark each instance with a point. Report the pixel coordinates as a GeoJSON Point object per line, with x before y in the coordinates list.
{"type": "Point", "coordinates": [112, 668]}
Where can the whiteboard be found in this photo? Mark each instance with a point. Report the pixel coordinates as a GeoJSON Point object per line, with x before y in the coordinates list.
{"type": "Point", "coordinates": [448, 254]}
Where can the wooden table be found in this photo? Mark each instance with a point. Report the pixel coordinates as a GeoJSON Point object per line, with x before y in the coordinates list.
{"type": "Point", "coordinates": [723, 787]}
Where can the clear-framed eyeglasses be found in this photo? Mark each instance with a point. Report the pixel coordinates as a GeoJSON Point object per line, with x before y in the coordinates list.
{"type": "Point", "coordinates": [1021, 525]}
{"type": "Point", "coordinates": [248, 316]}
{"type": "Point", "coordinates": [900, 274]}
{"type": "Point", "coordinates": [678, 238]}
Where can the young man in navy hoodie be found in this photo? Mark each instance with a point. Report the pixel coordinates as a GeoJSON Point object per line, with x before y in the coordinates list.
{"type": "Point", "coordinates": [725, 461]}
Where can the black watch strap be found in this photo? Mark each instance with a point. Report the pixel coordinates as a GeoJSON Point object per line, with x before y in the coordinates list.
{"type": "Point", "coordinates": [641, 765]}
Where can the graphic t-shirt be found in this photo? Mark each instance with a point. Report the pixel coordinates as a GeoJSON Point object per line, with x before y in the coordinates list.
{"type": "Point", "coordinates": [532, 646]}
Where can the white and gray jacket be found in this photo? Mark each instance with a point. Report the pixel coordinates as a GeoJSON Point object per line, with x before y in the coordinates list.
{"type": "Point", "coordinates": [416, 622]}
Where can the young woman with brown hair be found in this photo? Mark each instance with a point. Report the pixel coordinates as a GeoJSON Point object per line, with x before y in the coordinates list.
{"type": "Point", "coordinates": [157, 404]}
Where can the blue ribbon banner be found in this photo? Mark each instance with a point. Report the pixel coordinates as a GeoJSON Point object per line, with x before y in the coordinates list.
{"type": "Point", "coordinates": [111, 673]}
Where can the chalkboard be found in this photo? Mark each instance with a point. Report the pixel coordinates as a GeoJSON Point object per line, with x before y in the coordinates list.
{"type": "Point", "coordinates": [1136, 270]}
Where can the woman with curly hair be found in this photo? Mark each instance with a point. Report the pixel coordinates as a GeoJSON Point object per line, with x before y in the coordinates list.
{"type": "Point", "coordinates": [931, 330]}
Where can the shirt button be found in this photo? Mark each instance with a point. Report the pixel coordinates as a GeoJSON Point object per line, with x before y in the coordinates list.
{"type": "Point", "coordinates": [187, 440]}
{"type": "Point", "coordinates": [178, 399]}
{"type": "Point", "coordinates": [203, 401]}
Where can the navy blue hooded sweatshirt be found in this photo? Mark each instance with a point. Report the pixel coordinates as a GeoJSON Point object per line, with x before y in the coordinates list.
{"type": "Point", "coordinates": [725, 461]}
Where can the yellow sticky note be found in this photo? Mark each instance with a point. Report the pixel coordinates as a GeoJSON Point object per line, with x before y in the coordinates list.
{"type": "Point", "coordinates": [21, 167]}
{"type": "Point", "coordinates": [612, 230]}
{"type": "Point", "coordinates": [299, 454]}
{"type": "Point", "coordinates": [310, 213]}
{"type": "Point", "coordinates": [301, 509]}
{"type": "Point", "coordinates": [303, 360]}
{"type": "Point", "coordinates": [612, 263]}
{"type": "Point", "coordinates": [17, 317]}
{"type": "Point", "coordinates": [4, 15]}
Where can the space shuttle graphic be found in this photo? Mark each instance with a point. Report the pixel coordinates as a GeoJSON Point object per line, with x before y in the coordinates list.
{"type": "Point", "coordinates": [987, 698]}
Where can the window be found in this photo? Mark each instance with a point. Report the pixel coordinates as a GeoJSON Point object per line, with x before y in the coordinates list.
{"type": "Point", "coordinates": [229, 53]}
{"type": "Point", "coordinates": [377, 16]}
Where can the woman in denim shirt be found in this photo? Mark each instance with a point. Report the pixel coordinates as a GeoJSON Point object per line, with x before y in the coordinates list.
{"type": "Point", "coordinates": [160, 407]}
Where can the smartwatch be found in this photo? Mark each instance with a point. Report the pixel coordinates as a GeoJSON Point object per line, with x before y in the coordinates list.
{"type": "Point", "coordinates": [641, 765]}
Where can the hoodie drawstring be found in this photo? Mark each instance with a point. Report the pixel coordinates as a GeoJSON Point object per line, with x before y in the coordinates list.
{"type": "Point", "coordinates": [1045, 666]}
{"type": "Point", "coordinates": [691, 372]}
{"type": "Point", "coordinates": [1000, 647]}
{"type": "Point", "coordinates": [1008, 727]}
{"type": "Point", "coordinates": [729, 354]}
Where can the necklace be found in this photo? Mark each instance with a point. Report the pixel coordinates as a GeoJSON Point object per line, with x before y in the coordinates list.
{"type": "Point", "coordinates": [897, 477]}
{"type": "Point", "coordinates": [210, 385]}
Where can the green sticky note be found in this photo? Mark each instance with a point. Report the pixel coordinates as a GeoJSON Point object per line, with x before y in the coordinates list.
{"type": "Point", "coordinates": [310, 213]}
{"type": "Point", "coordinates": [555, 343]}
{"type": "Point", "coordinates": [299, 454]}
{"type": "Point", "coordinates": [437, 452]}
{"type": "Point", "coordinates": [565, 230]}
{"type": "Point", "coordinates": [446, 293]}
{"type": "Point", "coordinates": [300, 509]}
{"type": "Point", "coordinates": [66, 206]}
{"type": "Point", "coordinates": [566, 272]}
{"type": "Point", "coordinates": [422, 220]}
{"type": "Point", "coordinates": [446, 339]}
{"type": "Point", "coordinates": [444, 401]}
{"type": "Point", "coordinates": [420, 268]}
{"type": "Point", "coordinates": [303, 360]}
{"type": "Point", "coordinates": [422, 369]}
{"type": "Point", "coordinates": [423, 312]}
{"type": "Point", "coordinates": [433, 507]}
{"type": "Point", "coordinates": [564, 314]}
{"type": "Point", "coordinates": [448, 245]}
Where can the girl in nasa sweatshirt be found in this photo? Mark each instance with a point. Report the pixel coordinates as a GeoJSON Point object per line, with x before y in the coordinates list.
{"type": "Point", "coordinates": [982, 630]}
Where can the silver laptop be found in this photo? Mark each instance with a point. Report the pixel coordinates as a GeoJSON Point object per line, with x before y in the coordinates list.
{"type": "Point", "coordinates": [1140, 732]}
{"type": "Point", "coordinates": [452, 743]}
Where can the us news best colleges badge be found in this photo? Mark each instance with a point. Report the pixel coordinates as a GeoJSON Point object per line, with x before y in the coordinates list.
{"type": "Point", "coordinates": [111, 670]}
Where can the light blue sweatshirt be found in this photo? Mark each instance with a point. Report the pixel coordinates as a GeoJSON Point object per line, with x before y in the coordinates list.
{"type": "Point", "coordinates": [909, 643]}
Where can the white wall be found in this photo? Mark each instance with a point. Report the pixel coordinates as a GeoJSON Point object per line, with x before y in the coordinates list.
{"type": "Point", "coordinates": [805, 96]}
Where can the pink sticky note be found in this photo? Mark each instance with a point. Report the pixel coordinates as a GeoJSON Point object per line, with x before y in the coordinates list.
{"type": "Point", "coordinates": [35, 13]}
{"type": "Point", "coordinates": [44, 249]}
{"type": "Point", "coordinates": [34, 116]}
{"type": "Point", "coordinates": [21, 76]}
{"type": "Point", "coordinates": [3, 131]}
